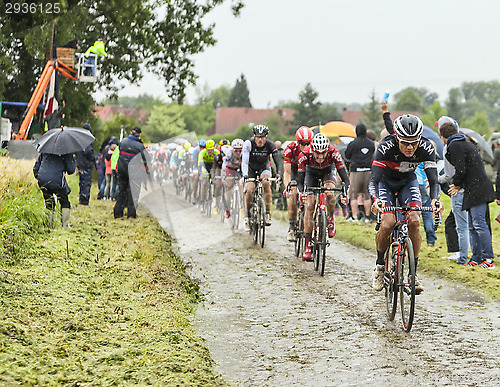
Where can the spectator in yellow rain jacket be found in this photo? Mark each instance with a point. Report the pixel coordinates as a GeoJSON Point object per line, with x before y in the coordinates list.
{"type": "Point", "coordinates": [98, 50]}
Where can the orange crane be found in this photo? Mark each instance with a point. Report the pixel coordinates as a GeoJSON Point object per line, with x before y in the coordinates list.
{"type": "Point", "coordinates": [36, 97]}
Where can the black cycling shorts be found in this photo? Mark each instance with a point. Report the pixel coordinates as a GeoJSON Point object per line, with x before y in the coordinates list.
{"type": "Point", "coordinates": [314, 175]}
{"type": "Point", "coordinates": [406, 191]}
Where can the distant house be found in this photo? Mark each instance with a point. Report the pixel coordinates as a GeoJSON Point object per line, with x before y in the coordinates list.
{"type": "Point", "coordinates": [229, 119]}
{"type": "Point", "coordinates": [108, 111]}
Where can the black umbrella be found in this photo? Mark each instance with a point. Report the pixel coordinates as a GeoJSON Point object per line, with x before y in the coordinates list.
{"type": "Point", "coordinates": [482, 144]}
{"type": "Point", "coordinates": [64, 140]}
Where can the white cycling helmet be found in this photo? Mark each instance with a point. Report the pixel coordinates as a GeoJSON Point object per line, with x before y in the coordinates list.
{"type": "Point", "coordinates": [225, 149]}
{"type": "Point", "coordinates": [237, 143]}
{"type": "Point", "coordinates": [320, 143]}
{"type": "Point", "coordinates": [408, 125]}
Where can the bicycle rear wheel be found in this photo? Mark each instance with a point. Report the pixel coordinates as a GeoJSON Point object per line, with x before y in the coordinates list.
{"type": "Point", "coordinates": [262, 222]}
{"type": "Point", "coordinates": [314, 242]}
{"type": "Point", "coordinates": [299, 235]}
{"type": "Point", "coordinates": [390, 281]}
{"type": "Point", "coordinates": [235, 210]}
{"type": "Point", "coordinates": [208, 197]}
{"type": "Point", "coordinates": [322, 242]}
{"type": "Point", "coordinates": [407, 288]}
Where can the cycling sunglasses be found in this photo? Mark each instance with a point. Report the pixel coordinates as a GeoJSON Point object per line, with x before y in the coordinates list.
{"type": "Point", "coordinates": [408, 143]}
{"type": "Point", "coordinates": [304, 143]}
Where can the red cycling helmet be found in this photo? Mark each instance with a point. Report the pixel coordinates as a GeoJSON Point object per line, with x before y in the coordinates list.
{"type": "Point", "coordinates": [304, 134]}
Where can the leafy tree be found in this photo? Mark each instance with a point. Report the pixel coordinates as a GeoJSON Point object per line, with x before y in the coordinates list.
{"type": "Point", "coordinates": [433, 114]}
{"type": "Point", "coordinates": [479, 123]}
{"type": "Point", "coordinates": [164, 122]}
{"type": "Point", "coordinates": [113, 126]}
{"type": "Point", "coordinates": [244, 132]}
{"type": "Point", "coordinates": [136, 37]}
{"type": "Point", "coordinates": [372, 113]}
{"type": "Point", "coordinates": [454, 104]}
{"type": "Point", "coordinates": [143, 101]}
{"type": "Point", "coordinates": [409, 100]}
{"type": "Point", "coordinates": [199, 118]}
{"type": "Point", "coordinates": [307, 109]}
{"type": "Point", "coordinates": [219, 96]}
{"type": "Point", "coordinates": [273, 123]}
{"type": "Point", "coordinates": [329, 112]}
{"type": "Point", "coordinates": [240, 96]}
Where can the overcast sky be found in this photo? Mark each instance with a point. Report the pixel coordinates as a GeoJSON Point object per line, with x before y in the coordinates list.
{"type": "Point", "coordinates": [346, 49]}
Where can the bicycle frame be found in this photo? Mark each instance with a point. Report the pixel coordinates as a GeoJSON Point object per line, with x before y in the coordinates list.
{"type": "Point", "coordinates": [394, 276]}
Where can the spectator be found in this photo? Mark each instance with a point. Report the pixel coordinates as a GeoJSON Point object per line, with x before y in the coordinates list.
{"type": "Point", "coordinates": [127, 188]}
{"type": "Point", "coordinates": [456, 225]}
{"type": "Point", "coordinates": [54, 120]}
{"type": "Point", "coordinates": [360, 152]}
{"type": "Point", "coordinates": [426, 202]}
{"type": "Point", "coordinates": [86, 162]}
{"type": "Point", "coordinates": [109, 172]}
{"type": "Point", "coordinates": [50, 171]}
{"type": "Point", "coordinates": [97, 49]}
{"type": "Point", "coordinates": [478, 192]}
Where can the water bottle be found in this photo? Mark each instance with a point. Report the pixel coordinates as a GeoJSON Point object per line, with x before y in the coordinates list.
{"type": "Point", "coordinates": [386, 96]}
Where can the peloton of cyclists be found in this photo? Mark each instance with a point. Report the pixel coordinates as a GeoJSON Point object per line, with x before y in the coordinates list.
{"type": "Point", "coordinates": [303, 137]}
{"type": "Point", "coordinates": [395, 161]}
{"type": "Point", "coordinates": [256, 163]}
{"type": "Point", "coordinates": [319, 161]}
{"type": "Point", "coordinates": [231, 167]}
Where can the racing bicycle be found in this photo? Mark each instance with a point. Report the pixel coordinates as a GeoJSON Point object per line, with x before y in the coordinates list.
{"type": "Point", "coordinates": [319, 240]}
{"type": "Point", "coordinates": [400, 259]}
{"type": "Point", "coordinates": [257, 219]}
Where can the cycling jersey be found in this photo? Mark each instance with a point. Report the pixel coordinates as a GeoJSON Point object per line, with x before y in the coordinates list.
{"type": "Point", "coordinates": [257, 159]}
{"type": "Point", "coordinates": [392, 165]}
{"type": "Point", "coordinates": [161, 155]}
{"type": "Point", "coordinates": [206, 160]}
{"type": "Point", "coordinates": [291, 154]}
{"type": "Point", "coordinates": [307, 165]}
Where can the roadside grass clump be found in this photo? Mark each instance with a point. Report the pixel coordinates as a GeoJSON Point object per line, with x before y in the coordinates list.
{"type": "Point", "coordinates": [106, 302]}
{"type": "Point", "coordinates": [22, 214]}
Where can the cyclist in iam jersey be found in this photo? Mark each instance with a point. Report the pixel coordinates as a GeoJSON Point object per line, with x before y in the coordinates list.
{"type": "Point", "coordinates": [393, 176]}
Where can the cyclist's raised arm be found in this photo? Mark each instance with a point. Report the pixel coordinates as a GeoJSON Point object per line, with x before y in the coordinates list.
{"type": "Point", "coordinates": [245, 157]}
{"type": "Point", "coordinates": [387, 118]}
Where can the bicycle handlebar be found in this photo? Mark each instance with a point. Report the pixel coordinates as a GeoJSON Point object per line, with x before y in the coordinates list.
{"type": "Point", "coordinates": [437, 217]}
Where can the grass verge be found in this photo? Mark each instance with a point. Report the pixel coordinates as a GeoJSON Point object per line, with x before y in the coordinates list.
{"type": "Point", "coordinates": [485, 280]}
{"type": "Point", "coordinates": [103, 303]}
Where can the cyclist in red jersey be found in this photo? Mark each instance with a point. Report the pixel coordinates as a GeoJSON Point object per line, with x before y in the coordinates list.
{"type": "Point", "coordinates": [319, 161]}
{"type": "Point", "coordinates": [303, 135]}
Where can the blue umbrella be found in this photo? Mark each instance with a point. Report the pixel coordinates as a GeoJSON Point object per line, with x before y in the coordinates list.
{"type": "Point", "coordinates": [435, 138]}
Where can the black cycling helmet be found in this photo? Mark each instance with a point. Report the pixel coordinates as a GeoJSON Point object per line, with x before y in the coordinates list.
{"type": "Point", "coordinates": [408, 125]}
{"type": "Point", "coordinates": [260, 130]}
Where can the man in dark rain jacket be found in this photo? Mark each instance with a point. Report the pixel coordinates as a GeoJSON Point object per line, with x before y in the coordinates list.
{"type": "Point", "coordinates": [128, 188]}
{"type": "Point", "coordinates": [478, 192]}
{"type": "Point", "coordinates": [49, 170]}
{"type": "Point", "coordinates": [85, 162]}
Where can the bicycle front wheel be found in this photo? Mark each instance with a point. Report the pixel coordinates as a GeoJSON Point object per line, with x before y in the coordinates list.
{"type": "Point", "coordinates": [407, 282]}
{"type": "Point", "coordinates": [391, 281]}
{"type": "Point", "coordinates": [322, 242]}
{"type": "Point", "coordinates": [262, 222]}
